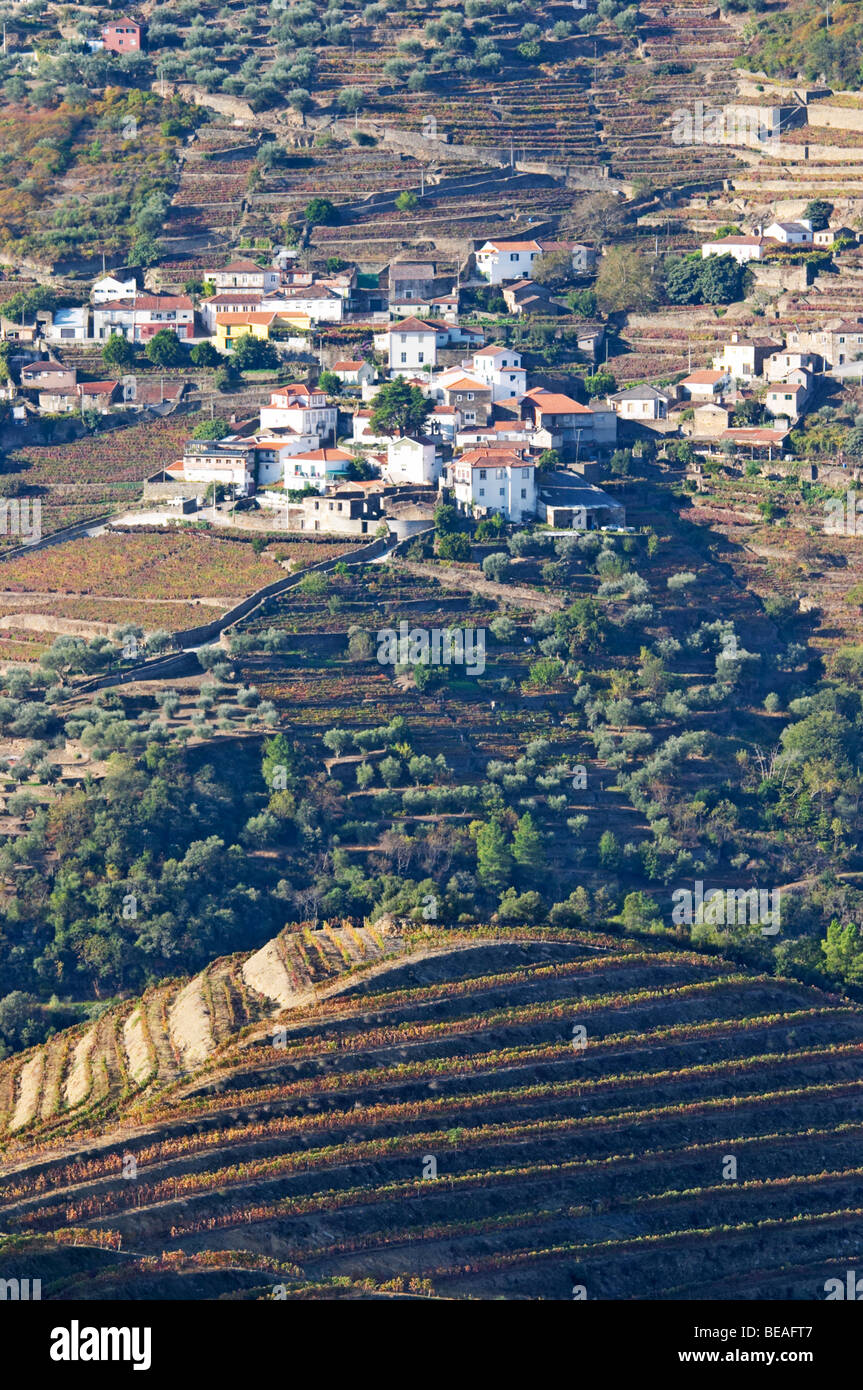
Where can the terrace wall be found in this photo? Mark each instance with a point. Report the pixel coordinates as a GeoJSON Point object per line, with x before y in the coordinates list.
{"type": "Point", "coordinates": [821, 113]}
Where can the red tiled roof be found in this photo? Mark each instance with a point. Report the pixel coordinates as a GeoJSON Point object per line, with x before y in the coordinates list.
{"type": "Point", "coordinates": [555, 403]}
{"type": "Point", "coordinates": [411, 325]}
{"type": "Point", "coordinates": [96, 388]}
{"type": "Point", "coordinates": [325, 456]}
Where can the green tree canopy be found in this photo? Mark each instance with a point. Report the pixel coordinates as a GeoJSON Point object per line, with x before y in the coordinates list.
{"type": "Point", "coordinates": [399, 408]}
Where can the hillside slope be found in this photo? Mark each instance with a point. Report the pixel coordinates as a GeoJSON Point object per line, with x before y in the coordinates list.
{"type": "Point", "coordinates": [438, 1123]}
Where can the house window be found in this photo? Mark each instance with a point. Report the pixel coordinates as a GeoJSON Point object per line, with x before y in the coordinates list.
{"type": "Point", "coordinates": [421, 357]}
{"type": "Point", "coordinates": [470, 395]}
{"type": "Point", "coordinates": [503, 492]}
{"type": "Point", "coordinates": [524, 493]}
{"type": "Point", "coordinates": [525, 472]}
{"type": "Point", "coordinates": [482, 473]}
{"type": "Point", "coordinates": [404, 357]}
{"type": "Point", "coordinates": [513, 255]}
{"type": "Point", "coordinates": [500, 473]}
{"type": "Point", "coordinates": [482, 492]}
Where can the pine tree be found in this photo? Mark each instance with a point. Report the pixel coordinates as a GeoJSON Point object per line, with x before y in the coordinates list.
{"type": "Point", "coordinates": [527, 850]}
{"type": "Point", "coordinates": [493, 859]}
{"type": "Point", "coordinates": [277, 765]}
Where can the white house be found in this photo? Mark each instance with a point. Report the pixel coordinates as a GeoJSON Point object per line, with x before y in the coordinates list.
{"type": "Point", "coordinates": [69, 325]}
{"type": "Point", "coordinates": [273, 451]}
{"type": "Point", "coordinates": [706, 384]}
{"type": "Point", "coordinates": [412, 459]}
{"type": "Point", "coordinates": [353, 373]}
{"type": "Point", "coordinates": [362, 431]}
{"type": "Point", "coordinates": [110, 288]}
{"type": "Point", "coordinates": [501, 369]}
{"type": "Point", "coordinates": [797, 233]}
{"type": "Point", "coordinates": [779, 364]}
{"type": "Point", "coordinates": [641, 403]}
{"type": "Point", "coordinates": [742, 248]}
{"type": "Point", "coordinates": [411, 345]}
{"type": "Point", "coordinates": [493, 480]}
{"type": "Point", "coordinates": [244, 275]}
{"type": "Point", "coordinates": [139, 319]}
{"type": "Point", "coordinates": [744, 358]}
{"type": "Point", "coordinates": [789, 398]}
{"type": "Point", "coordinates": [322, 305]}
{"type": "Point", "coordinates": [302, 409]}
{"type": "Point", "coordinates": [498, 261]}
{"type": "Point", "coordinates": [317, 467]}
{"type": "Point", "coordinates": [230, 462]}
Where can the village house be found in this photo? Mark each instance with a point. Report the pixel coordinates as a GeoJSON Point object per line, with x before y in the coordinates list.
{"type": "Point", "coordinates": [501, 369]}
{"type": "Point", "coordinates": [244, 275]}
{"type": "Point", "coordinates": [706, 384]}
{"type": "Point", "coordinates": [230, 327]}
{"type": "Point", "coordinates": [362, 431]}
{"type": "Point", "coordinates": [444, 420]}
{"type": "Point", "coordinates": [317, 302]}
{"type": "Point", "coordinates": [411, 344]}
{"type": "Point", "coordinates": [787, 399]}
{"type": "Point", "coordinates": [709, 420]}
{"type": "Point", "coordinates": [50, 377]}
{"type": "Point", "coordinates": [347, 509]}
{"type": "Point", "coordinates": [514, 432]}
{"type": "Point", "coordinates": [316, 467]}
{"type": "Point", "coordinates": [493, 480]}
{"type": "Point", "coordinates": [141, 318]}
{"type": "Point", "coordinates": [272, 451]}
{"type": "Point", "coordinates": [797, 233]}
{"type": "Point", "coordinates": [121, 36]}
{"type": "Point", "coordinates": [414, 459]}
{"type": "Point", "coordinates": [144, 393]}
{"type": "Point", "coordinates": [341, 282]}
{"type": "Point", "coordinates": [353, 373]}
{"type": "Point", "coordinates": [744, 358]}
{"type": "Point", "coordinates": [445, 307]}
{"type": "Point", "coordinates": [742, 248]}
{"type": "Point", "coordinates": [229, 302]}
{"type": "Point", "coordinates": [109, 288]}
{"type": "Point", "coordinates": [642, 403]}
{"type": "Point", "coordinates": [302, 409]}
{"type": "Point", "coordinates": [779, 364]}
{"type": "Point", "coordinates": [411, 283]}
{"type": "Point", "coordinates": [229, 462]}
{"type": "Point", "coordinates": [498, 261]}
{"type": "Point", "coordinates": [68, 325]}
{"type": "Point", "coordinates": [590, 339]}
{"type": "Point", "coordinates": [27, 332]}
{"type": "Point", "coordinates": [566, 500]}
{"type": "Point", "coordinates": [97, 395]}
{"type": "Point", "coordinates": [565, 424]}
{"type": "Point", "coordinates": [471, 398]}
{"type": "Point", "coordinates": [828, 236]}
{"type": "Point", "coordinates": [525, 297]}
{"type": "Point", "coordinates": [840, 341]}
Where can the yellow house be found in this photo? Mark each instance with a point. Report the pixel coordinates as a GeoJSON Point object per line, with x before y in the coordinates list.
{"type": "Point", "coordinates": [230, 327]}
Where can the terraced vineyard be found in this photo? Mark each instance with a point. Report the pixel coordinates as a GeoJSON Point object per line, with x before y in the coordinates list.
{"type": "Point", "coordinates": [468, 1115]}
